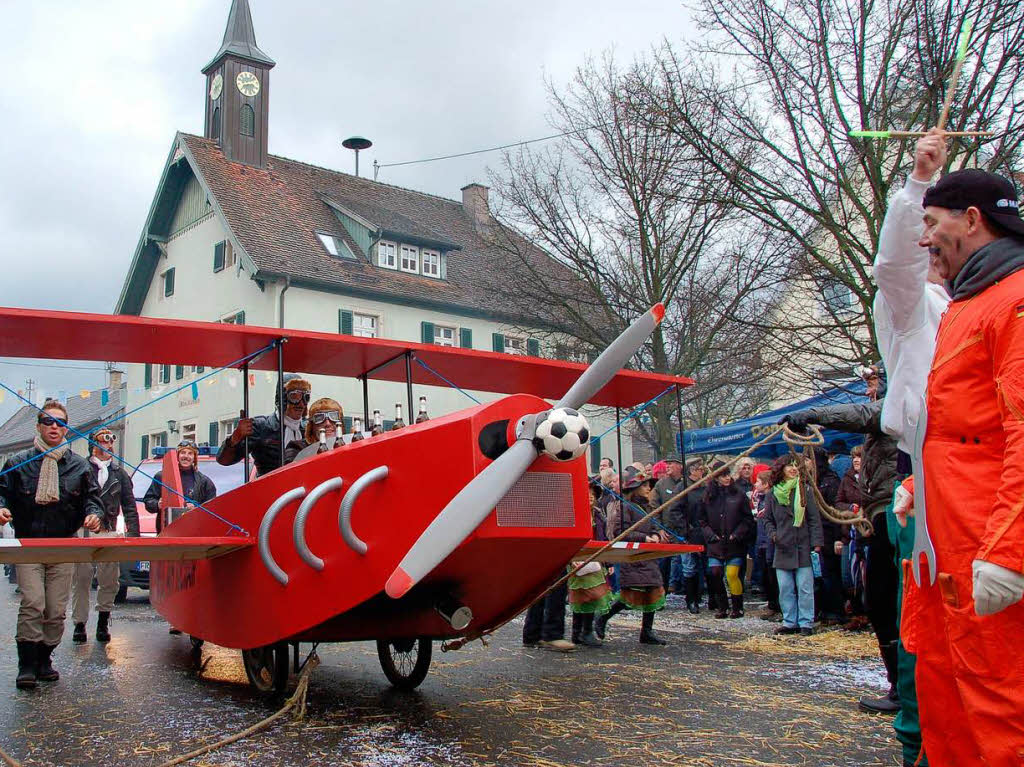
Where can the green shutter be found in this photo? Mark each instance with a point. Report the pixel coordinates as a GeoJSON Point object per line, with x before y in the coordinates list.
{"type": "Point", "coordinates": [214, 434]}
{"type": "Point", "coordinates": [165, 374]}
{"type": "Point", "coordinates": [179, 372]}
{"type": "Point", "coordinates": [533, 347]}
{"type": "Point", "coordinates": [595, 456]}
{"type": "Point", "coordinates": [147, 375]}
{"type": "Point", "coordinates": [498, 342]}
{"type": "Point", "coordinates": [427, 332]}
{"type": "Point", "coordinates": [344, 322]}
{"type": "Point", "coordinates": [200, 368]}
{"type": "Point", "coordinates": [145, 446]}
{"type": "Point", "coordinates": [466, 338]}
{"type": "Point", "coordinates": [169, 282]}
{"type": "Point", "coordinates": [218, 256]}
{"type": "Point", "coordinates": [240, 318]}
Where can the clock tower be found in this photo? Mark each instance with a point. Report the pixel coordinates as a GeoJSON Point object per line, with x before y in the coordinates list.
{"type": "Point", "coordinates": [238, 91]}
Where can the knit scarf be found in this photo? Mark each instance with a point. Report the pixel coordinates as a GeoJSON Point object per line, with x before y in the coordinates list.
{"type": "Point", "coordinates": [48, 489]}
{"type": "Point", "coordinates": [784, 491]}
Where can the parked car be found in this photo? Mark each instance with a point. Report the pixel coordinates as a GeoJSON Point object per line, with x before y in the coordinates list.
{"type": "Point", "coordinates": [225, 478]}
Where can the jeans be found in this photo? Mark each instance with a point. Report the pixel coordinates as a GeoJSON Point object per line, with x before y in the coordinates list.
{"type": "Point", "coordinates": [689, 564]}
{"type": "Point", "coordinates": [796, 597]}
{"type": "Point", "coordinates": [675, 574]}
{"type": "Point", "coordinates": [545, 620]}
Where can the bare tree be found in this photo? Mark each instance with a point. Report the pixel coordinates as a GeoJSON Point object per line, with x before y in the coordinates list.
{"type": "Point", "coordinates": [621, 205]}
{"type": "Point", "coordinates": [787, 82]}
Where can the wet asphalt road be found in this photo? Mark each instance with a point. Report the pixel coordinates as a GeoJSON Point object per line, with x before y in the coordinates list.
{"type": "Point", "coordinates": [141, 700]}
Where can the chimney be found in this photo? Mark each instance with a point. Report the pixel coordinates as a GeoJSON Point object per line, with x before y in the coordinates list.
{"type": "Point", "coordinates": [116, 379]}
{"type": "Point", "coordinates": [474, 201]}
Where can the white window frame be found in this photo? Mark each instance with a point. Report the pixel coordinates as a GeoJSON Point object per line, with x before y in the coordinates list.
{"type": "Point", "coordinates": [387, 254]}
{"type": "Point", "coordinates": [229, 254]}
{"type": "Point", "coordinates": [157, 439]}
{"type": "Point", "coordinates": [435, 258]}
{"type": "Point", "coordinates": [226, 426]}
{"type": "Point", "coordinates": [415, 252]}
{"type": "Point", "coordinates": [515, 345]}
{"type": "Point", "coordinates": [192, 427]}
{"type": "Point", "coordinates": [440, 340]}
{"type": "Point", "coordinates": [365, 315]}
{"type": "Point", "coordinates": [329, 243]}
{"type": "Point", "coordinates": [231, 317]}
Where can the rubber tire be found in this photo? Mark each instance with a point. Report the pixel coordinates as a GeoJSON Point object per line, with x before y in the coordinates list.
{"type": "Point", "coordinates": [412, 680]}
{"type": "Point", "coordinates": [267, 668]}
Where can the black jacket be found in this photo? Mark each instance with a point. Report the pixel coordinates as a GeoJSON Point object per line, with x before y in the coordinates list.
{"type": "Point", "coordinates": [264, 445]}
{"type": "Point", "coordinates": [204, 490]}
{"type": "Point", "coordinates": [727, 522]}
{"type": "Point", "coordinates": [674, 517]}
{"type": "Point", "coordinates": [117, 497]}
{"type": "Point", "coordinates": [79, 496]}
{"type": "Point", "coordinates": [694, 504]}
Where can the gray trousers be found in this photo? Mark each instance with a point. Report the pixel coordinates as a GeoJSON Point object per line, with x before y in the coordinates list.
{"type": "Point", "coordinates": [108, 574]}
{"type": "Point", "coordinates": [44, 600]}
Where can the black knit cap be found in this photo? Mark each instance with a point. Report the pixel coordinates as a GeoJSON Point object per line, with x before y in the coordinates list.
{"type": "Point", "coordinates": [993, 195]}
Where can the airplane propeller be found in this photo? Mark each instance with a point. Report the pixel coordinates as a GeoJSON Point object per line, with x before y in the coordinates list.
{"type": "Point", "coordinates": [474, 502]}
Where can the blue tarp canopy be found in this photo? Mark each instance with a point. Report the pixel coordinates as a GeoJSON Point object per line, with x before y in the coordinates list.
{"type": "Point", "coordinates": [736, 437]}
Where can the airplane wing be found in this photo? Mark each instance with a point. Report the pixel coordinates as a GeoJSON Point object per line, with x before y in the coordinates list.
{"type": "Point", "coordinates": [56, 550]}
{"type": "Point", "coordinates": [624, 551]}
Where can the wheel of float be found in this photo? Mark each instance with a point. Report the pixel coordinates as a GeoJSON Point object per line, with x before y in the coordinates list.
{"type": "Point", "coordinates": [405, 661]}
{"type": "Point", "coordinates": [197, 643]}
{"type": "Point", "coordinates": [267, 668]}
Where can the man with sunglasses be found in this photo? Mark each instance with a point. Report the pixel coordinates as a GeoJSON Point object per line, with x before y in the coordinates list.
{"type": "Point", "coordinates": [196, 487]}
{"type": "Point", "coordinates": [264, 432]}
{"type": "Point", "coordinates": [117, 497]}
{"type": "Point", "coordinates": [46, 491]}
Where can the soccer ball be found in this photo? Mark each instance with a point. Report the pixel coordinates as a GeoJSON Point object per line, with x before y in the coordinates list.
{"type": "Point", "coordinates": [562, 434]}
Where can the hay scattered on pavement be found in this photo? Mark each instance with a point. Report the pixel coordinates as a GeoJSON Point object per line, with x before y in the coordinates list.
{"type": "Point", "coordinates": [848, 645]}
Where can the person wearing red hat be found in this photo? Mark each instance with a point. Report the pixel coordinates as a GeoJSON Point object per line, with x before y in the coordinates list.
{"type": "Point", "coordinates": [969, 679]}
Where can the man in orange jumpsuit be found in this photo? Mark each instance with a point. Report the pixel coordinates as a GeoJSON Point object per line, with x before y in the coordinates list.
{"type": "Point", "coordinates": [966, 626]}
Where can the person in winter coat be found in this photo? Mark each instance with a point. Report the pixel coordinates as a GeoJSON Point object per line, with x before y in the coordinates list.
{"type": "Point", "coordinates": [694, 563]}
{"type": "Point", "coordinates": [325, 415]}
{"type": "Point", "coordinates": [46, 491]}
{"type": "Point", "coordinates": [764, 548]}
{"type": "Point", "coordinates": [641, 584]}
{"type": "Point", "coordinates": [829, 594]}
{"type": "Point", "coordinates": [728, 528]}
{"type": "Point", "coordinates": [794, 526]}
{"type": "Point", "coordinates": [673, 518]}
{"type": "Point", "coordinates": [589, 592]}
{"type": "Point", "coordinates": [264, 431]}
{"type": "Point", "coordinates": [118, 499]}
{"type": "Point", "coordinates": [196, 487]}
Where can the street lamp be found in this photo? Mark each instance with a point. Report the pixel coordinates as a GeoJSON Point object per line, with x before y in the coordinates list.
{"type": "Point", "coordinates": [172, 426]}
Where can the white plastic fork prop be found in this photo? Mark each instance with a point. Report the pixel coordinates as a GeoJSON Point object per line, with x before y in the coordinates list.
{"type": "Point", "coordinates": [922, 540]}
{"type": "Point", "coordinates": [474, 502]}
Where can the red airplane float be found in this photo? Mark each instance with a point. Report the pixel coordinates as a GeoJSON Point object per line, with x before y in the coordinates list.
{"type": "Point", "coordinates": [443, 529]}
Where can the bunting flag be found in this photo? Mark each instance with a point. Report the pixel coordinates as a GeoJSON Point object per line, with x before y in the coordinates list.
{"type": "Point", "coordinates": [62, 396]}
{"type": "Point", "coordinates": [1, 395]}
{"type": "Point", "coordinates": [233, 381]}
{"type": "Point", "coordinates": [195, 391]}
{"type": "Point", "coordinates": [85, 394]}
{"type": "Point", "coordinates": [270, 376]}
{"type": "Point", "coordinates": [104, 397]}
{"type": "Point", "coordinates": [252, 379]}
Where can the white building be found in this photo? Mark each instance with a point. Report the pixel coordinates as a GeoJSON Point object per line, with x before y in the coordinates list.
{"type": "Point", "coordinates": [235, 234]}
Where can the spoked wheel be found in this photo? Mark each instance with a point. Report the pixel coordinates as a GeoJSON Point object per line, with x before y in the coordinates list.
{"type": "Point", "coordinates": [405, 661]}
{"type": "Point", "coordinates": [267, 668]}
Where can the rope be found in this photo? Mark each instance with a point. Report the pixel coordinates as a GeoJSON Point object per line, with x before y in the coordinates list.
{"type": "Point", "coordinates": [792, 438]}
{"type": "Point", "coordinates": [632, 413]}
{"type": "Point", "coordinates": [860, 521]}
{"type": "Point", "coordinates": [298, 698]}
{"type": "Point", "coordinates": [10, 761]}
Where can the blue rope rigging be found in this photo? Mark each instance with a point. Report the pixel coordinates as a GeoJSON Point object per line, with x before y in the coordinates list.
{"type": "Point", "coordinates": [632, 413]}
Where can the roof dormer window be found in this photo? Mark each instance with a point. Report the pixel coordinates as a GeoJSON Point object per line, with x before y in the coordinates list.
{"type": "Point", "coordinates": [431, 263]}
{"type": "Point", "coordinates": [387, 255]}
{"type": "Point", "coordinates": [410, 259]}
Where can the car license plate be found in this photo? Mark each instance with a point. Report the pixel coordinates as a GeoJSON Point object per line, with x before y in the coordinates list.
{"type": "Point", "coordinates": [143, 567]}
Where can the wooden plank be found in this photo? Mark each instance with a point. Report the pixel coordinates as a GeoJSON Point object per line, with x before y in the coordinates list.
{"type": "Point", "coordinates": [635, 552]}
{"type": "Point", "coordinates": [156, 549]}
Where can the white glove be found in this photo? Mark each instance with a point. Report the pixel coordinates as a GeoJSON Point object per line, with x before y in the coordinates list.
{"type": "Point", "coordinates": [995, 587]}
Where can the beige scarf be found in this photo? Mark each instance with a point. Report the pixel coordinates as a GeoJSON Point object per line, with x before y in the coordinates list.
{"type": "Point", "coordinates": [48, 489]}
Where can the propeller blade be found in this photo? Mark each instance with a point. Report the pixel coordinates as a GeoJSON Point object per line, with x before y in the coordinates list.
{"type": "Point", "coordinates": [612, 359]}
{"type": "Point", "coordinates": [460, 517]}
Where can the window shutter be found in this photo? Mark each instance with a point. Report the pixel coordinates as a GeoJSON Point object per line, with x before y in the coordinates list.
{"type": "Point", "coordinates": [427, 332]}
{"type": "Point", "coordinates": [344, 322]}
{"type": "Point", "coordinates": [346, 423]}
{"type": "Point", "coordinates": [147, 375]}
{"type": "Point", "coordinates": [179, 372]}
{"type": "Point", "coordinates": [533, 347]}
{"type": "Point", "coordinates": [466, 338]}
{"type": "Point", "coordinates": [240, 318]}
{"type": "Point", "coordinates": [200, 368]}
{"type": "Point", "coordinates": [169, 282]}
{"type": "Point", "coordinates": [165, 374]}
{"type": "Point", "coordinates": [214, 434]}
{"type": "Point", "coordinates": [218, 256]}
{"type": "Point", "coordinates": [595, 456]}
{"type": "Point", "coordinates": [498, 342]}
{"type": "Point", "coordinates": [145, 446]}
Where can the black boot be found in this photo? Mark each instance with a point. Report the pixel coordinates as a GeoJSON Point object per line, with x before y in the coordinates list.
{"type": "Point", "coordinates": [736, 602]}
{"type": "Point", "coordinates": [44, 670]}
{"type": "Point", "coordinates": [721, 601]}
{"type": "Point", "coordinates": [647, 635]}
{"type": "Point", "coordinates": [692, 586]}
{"type": "Point", "coordinates": [577, 627]}
{"type": "Point", "coordinates": [890, 703]}
{"type": "Point", "coordinates": [79, 636]}
{"type": "Point", "coordinates": [587, 635]}
{"type": "Point", "coordinates": [602, 620]}
{"type": "Point", "coordinates": [102, 634]}
{"type": "Point", "coordinates": [26, 666]}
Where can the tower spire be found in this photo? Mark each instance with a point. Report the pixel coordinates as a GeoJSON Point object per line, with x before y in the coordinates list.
{"type": "Point", "coordinates": [240, 38]}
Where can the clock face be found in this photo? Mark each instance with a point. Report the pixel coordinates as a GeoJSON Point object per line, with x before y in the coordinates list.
{"type": "Point", "coordinates": [216, 86]}
{"type": "Point", "coordinates": [248, 84]}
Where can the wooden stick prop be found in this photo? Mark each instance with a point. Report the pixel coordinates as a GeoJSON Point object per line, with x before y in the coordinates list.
{"type": "Point", "coordinates": [961, 55]}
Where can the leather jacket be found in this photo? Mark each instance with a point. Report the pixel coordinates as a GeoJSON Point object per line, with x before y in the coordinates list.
{"type": "Point", "coordinates": [117, 496]}
{"type": "Point", "coordinates": [264, 445]}
{"type": "Point", "coordinates": [79, 496]}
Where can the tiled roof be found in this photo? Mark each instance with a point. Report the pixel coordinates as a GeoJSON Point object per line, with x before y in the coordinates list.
{"type": "Point", "coordinates": [83, 412]}
{"type": "Point", "coordinates": [275, 212]}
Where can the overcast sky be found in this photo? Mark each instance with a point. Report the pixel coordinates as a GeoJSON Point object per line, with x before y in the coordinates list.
{"type": "Point", "coordinates": [94, 92]}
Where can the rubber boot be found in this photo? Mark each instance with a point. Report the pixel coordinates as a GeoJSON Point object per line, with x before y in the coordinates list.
{"type": "Point", "coordinates": [602, 620]}
{"type": "Point", "coordinates": [736, 602]}
{"type": "Point", "coordinates": [889, 703]}
{"type": "Point", "coordinates": [721, 601]}
{"type": "Point", "coordinates": [102, 632]}
{"type": "Point", "coordinates": [577, 627]}
{"type": "Point", "coordinates": [44, 670]}
{"type": "Point", "coordinates": [692, 587]}
{"type": "Point", "coordinates": [79, 636]}
{"type": "Point", "coordinates": [587, 636]}
{"type": "Point", "coordinates": [647, 635]}
{"type": "Point", "coordinates": [26, 666]}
